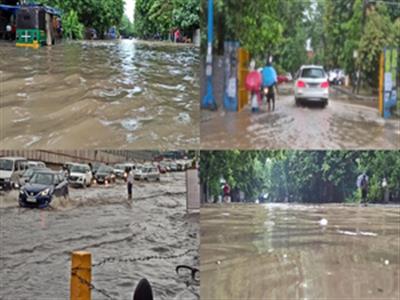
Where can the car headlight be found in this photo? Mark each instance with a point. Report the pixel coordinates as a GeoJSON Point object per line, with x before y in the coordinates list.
{"type": "Point", "coordinates": [22, 191]}
{"type": "Point", "coordinates": [45, 192]}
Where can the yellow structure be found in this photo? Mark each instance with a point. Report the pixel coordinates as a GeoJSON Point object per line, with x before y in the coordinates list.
{"type": "Point", "coordinates": [381, 79]}
{"type": "Point", "coordinates": [81, 275]}
{"type": "Point", "coordinates": [34, 45]}
{"type": "Point", "coordinates": [243, 70]}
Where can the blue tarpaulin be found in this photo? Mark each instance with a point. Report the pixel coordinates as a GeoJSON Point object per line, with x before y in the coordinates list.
{"type": "Point", "coordinates": [14, 8]}
{"type": "Point", "coordinates": [11, 8]}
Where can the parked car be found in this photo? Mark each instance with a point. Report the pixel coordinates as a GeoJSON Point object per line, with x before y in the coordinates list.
{"type": "Point", "coordinates": [42, 188]}
{"type": "Point", "coordinates": [173, 166]}
{"type": "Point", "coordinates": [33, 164]}
{"type": "Point", "coordinates": [147, 173]}
{"type": "Point", "coordinates": [27, 175]}
{"type": "Point", "coordinates": [11, 169]}
{"type": "Point", "coordinates": [311, 84]}
{"type": "Point", "coordinates": [105, 175]}
{"type": "Point", "coordinates": [80, 175]}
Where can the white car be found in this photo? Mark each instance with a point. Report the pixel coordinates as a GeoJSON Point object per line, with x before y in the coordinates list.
{"type": "Point", "coordinates": [311, 84]}
{"type": "Point", "coordinates": [120, 169]}
{"type": "Point", "coordinates": [11, 169]}
{"type": "Point", "coordinates": [80, 175]}
{"type": "Point", "coordinates": [147, 172]}
{"type": "Point", "coordinates": [36, 164]}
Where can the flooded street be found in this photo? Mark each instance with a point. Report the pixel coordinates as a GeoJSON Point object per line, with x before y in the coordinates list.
{"type": "Point", "coordinates": [36, 244]}
{"type": "Point", "coordinates": [119, 94]}
{"type": "Point", "coordinates": [341, 125]}
{"type": "Point", "coordinates": [280, 251]}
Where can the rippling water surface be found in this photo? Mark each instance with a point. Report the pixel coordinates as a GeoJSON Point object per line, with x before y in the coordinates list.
{"type": "Point", "coordinates": [282, 252]}
{"type": "Point", "coordinates": [36, 244]}
{"type": "Point", "coordinates": [100, 94]}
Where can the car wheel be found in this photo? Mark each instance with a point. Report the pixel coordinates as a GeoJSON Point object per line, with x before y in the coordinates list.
{"type": "Point", "coordinates": [297, 101]}
{"type": "Point", "coordinates": [325, 103]}
{"type": "Point", "coordinates": [84, 184]}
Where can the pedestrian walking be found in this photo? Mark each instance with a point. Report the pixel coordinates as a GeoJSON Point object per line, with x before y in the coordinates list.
{"type": "Point", "coordinates": [270, 79]}
{"type": "Point", "coordinates": [362, 184]}
{"type": "Point", "coordinates": [227, 193]}
{"type": "Point", "coordinates": [253, 85]}
{"type": "Point", "coordinates": [129, 182]}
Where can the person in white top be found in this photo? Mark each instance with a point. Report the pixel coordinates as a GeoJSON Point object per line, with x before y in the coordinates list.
{"type": "Point", "coordinates": [129, 181]}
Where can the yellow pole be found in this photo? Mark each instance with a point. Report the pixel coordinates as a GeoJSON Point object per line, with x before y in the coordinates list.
{"type": "Point", "coordinates": [381, 77]}
{"type": "Point", "coordinates": [81, 275]}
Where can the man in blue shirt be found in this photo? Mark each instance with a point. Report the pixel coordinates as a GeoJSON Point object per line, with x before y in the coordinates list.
{"type": "Point", "coordinates": [270, 79]}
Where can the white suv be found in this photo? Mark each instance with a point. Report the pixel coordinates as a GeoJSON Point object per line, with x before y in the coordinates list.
{"type": "Point", "coordinates": [147, 172]}
{"type": "Point", "coordinates": [312, 84]}
{"type": "Point", "coordinates": [80, 175]}
{"type": "Point", "coordinates": [11, 169]}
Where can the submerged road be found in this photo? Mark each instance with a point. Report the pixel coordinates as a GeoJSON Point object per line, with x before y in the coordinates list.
{"type": "Point", "coordinates": [280, 251]}
{"type": "Point", "coordinates": [36, 244]}
{"type": "Point", "coordinates": [341, 125]}
{"type": "Point", "coordinates": [88, 94]}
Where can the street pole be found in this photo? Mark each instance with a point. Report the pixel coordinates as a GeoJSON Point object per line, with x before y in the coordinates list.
{"type": "Point", "coordinates": [208, 100]}
{"type": "Point", "coordinates": [364, 16]}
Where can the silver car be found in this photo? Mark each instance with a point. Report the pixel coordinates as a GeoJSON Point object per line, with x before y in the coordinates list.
{"type": "Point", "coordinates": [311, 84]}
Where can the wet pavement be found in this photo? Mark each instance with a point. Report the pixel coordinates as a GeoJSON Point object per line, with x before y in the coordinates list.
{"type": "Point", "coordinates": [281, 251]}
{"type": "Point", "coordinates": [119, 94]}
{"type": "Point", "coordinates": [343, 124]}
{"type": "Point", "coordinates": [36, 244]}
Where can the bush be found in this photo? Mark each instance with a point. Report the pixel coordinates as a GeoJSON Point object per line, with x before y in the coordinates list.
{"type": "Point", "coordinates": [73, 29]}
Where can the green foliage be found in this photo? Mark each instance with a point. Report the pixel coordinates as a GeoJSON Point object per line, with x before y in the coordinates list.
{"type": "Point", "coordinates": [302, 176]}
{"type": "Point", "coordinates": [160, 16]}
{"type": "Point", "coordinates": [73, 29]}
{"type": "Point", "coordinates": [126, 27]}
{"type": "Point", "coordinates": [99, 14]}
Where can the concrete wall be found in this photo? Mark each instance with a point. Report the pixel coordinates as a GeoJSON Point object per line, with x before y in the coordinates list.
{"type": "Point", "coordinates": [60, 157]}
{"type": "Point", "coordinates": [193, 190]}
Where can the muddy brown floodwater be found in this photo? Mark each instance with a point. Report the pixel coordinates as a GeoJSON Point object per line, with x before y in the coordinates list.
{"type": "Point", "coordinates": [282, 252]}
{"type": "Point", "coordinates": [36, 244]}
{"type": "Point", "coordinates": [89, 94]}
{"type": "Point", "coordinates": [342, 124]}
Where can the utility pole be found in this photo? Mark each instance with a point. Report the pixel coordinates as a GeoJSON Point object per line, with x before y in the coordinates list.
{"type": "Point", "coordinates": [363, 21]}
{"type": "Point", "coordinates": [209, 100]}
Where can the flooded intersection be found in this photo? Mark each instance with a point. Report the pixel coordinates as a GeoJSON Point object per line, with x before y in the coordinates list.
{"type": "Point", "coordinates": [37, 244]}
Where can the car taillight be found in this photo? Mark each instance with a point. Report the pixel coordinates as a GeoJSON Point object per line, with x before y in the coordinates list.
{"type": "Point", "coordinates": [301, 84]}
{"type": "Point", "coordinates": [325, 85]}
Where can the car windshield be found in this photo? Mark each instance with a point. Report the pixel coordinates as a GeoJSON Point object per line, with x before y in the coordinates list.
{"type": "Point", "coordinates": [28, 173]}
{"type": "Point", "coordinates": [314, 73]}
{"type": "Point", "coordinates": [6, 165]}
{"type": "Point", "coordinates": [78, 169]}
{"type": "Point", "coordinates": [104, 169]}
{"type": "Point", "coordinates": [42, 178]}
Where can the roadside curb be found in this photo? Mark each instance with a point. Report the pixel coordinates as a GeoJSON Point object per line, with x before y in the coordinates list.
{"type": "Point", "coordinates": [357, 97]}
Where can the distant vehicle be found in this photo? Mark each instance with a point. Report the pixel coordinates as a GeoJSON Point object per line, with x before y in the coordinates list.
{"type": "Point", "coordinates": [96, 166]}
{"type": "Point", "coordinates": [33, 164]}
{"type": "Point", "coordinates": [311, 84]}
{"type": "Point", "coordinates": [336, 77]}
{"type": "Point", "coordinates": [147, 173]}
{"type": "Point", "coordinates": [41, 189]}
{"type": "Point", "coordinates": [105, 175]}
{"type": "Point", "coordinates": [11, 169]}
{"type": "Point", "coordinates": [80, 175]}
{"type": "Point", "coordinates": [173, 166]}
{"type": "Point", "coordinates": [120, 170]}
{"type": "Point", "coordinates": [162, 169]}
{"type": "Point", "coordinates": [283, 79]}
{"type": "Point", "coordinates": [27, 175]}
